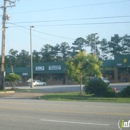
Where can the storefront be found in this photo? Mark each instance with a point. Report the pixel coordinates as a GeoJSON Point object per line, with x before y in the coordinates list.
{"type": "Point", "coordinates": [117, 70]}
{"type": "Point", "coordinates": [49, 72]}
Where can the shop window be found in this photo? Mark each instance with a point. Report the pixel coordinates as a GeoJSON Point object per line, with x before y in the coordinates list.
{"type": "Point", "coordinates": [108, 75]}
{"type": "Point", "coordinates": [58, 77]}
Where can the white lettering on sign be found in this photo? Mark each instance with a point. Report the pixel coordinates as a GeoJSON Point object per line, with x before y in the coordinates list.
{"type": "Point", "coordinates": [55, 67]}
{"type": "Point", "coordinates": [40, 68]}
{"type": "Point", "coordinates": [24, 74]}
{"type": "Point", "coordinates": [119, 64]}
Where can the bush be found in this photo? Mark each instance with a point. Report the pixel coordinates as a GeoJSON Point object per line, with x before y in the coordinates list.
{"type": "Point", "coordinates": [110, 93]}
{"type": "Point", "coordinates": [126, 92]}
{"type": "Point", "coordinates": [99, 88]}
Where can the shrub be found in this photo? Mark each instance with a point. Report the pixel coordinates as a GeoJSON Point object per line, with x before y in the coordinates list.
{"type": "Point", "coordinates": [126, 92]}
{"type": "Point", "coordinates": [12, 77]}
{"type": "Point", "coordinates": [110, 93]}
{"type": "Point", "coordinates": [99, 88]}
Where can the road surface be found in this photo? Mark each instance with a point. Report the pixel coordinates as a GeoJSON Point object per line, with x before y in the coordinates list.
{"type": "Point", "coordinates": [69, 88]}
{"type": "Point", "coordinates": [48, 115]}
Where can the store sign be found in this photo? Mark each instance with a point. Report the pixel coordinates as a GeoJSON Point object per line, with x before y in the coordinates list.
{"type": "Point", "coordinates": [24, 74]}
{"type": "Point", "coordinates": [55, 67]}
{"type": "Point", "coordinates": [109, 68]}
{"type": "Point", "coordinates": [119, 64]}
{"type": "Point", "coordinates": [40, 68]}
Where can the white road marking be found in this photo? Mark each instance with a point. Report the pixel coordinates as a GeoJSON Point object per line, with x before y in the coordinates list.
{"type": "Point", "coordinates": [82, 123]}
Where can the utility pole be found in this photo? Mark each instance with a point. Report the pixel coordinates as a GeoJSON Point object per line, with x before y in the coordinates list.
{"type": "Point", "coordinates": [4, 18]}
{"type": "Point", "coordinates": [31, 54]}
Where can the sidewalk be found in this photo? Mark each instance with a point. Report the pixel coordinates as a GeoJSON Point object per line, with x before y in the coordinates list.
{"type": "Point", "coordinates": [20, 95]}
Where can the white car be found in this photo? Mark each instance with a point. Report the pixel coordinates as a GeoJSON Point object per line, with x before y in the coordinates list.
{"type": "Point", "coordinates": [37, 83]}
{"type": "Point", "coordinates": [34, 83]}
{"type": "Point", "coordinates": [40, 83]}
{"type": "Point", "coordinates": [105, 80]}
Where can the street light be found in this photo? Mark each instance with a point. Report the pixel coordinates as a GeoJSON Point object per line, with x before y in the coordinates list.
{"type": "Point", "coordinates": [31, 56]}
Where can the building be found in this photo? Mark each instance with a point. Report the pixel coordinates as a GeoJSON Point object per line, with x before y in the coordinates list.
{"type": "Point", "coordinates": [50, 72]}
{"type": "Point", "coordinates": [117, 70]}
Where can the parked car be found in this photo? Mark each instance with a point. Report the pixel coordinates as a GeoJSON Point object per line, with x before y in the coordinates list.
{"type": "Point", "coordinates": [102, 78]}
{"type": "Point", "coordinates": [105, 80]}
{"type": "Point", "coordinates": [34, 83]}
{"type": "Point", "coordinates": [40, 83]}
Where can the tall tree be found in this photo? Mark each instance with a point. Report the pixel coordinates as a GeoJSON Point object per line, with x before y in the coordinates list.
{"type": "Point", "coordinates": [115, 45]}
{"type": "Point", "coordinates": [92, 40]}
{"type": "Point", "coordinates": [79, 44]}
{"type": "Point", "coordinates": [7, 61]}
{"type": "Point", "coordinates": [12, 57]}
{"type": "Point", "coordinates": [125, 41]}
{"type": "Point", "coordinates": [104, 49]}
{"type": "Point", "coordinates": [65, 50]}
{"type": "Point", "coordinates": [36, 56]}
{"type": "Point", "coordinates": [47, 53]}
{"type": "Point", "coordinates": [24, 58]}
{"type": "Point", "coordinates": [81, 66]}
{"type": "Point", "coordinates": [57, 53]}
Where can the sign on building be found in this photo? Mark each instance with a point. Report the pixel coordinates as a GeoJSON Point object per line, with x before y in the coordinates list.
{"type": "Point", "coordinates": [40, 68]}
{"type": "Point", "coordinates": [24, 74]}
{"type": "Point", "coordinates": [54, 67]}
{"type": "Point", "coordinates": [119, 64]}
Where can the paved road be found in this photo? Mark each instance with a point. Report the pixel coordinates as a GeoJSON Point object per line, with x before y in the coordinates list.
{"type": "Point", "coordinates": [48, 115]}
{"type": "Point", "coordinates": [69, 88]}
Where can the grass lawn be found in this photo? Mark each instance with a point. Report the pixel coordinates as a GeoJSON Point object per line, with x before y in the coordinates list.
{"type": "Point", "coordinates": [74, 96]}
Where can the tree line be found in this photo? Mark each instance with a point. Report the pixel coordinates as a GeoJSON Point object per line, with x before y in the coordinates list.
{"type": "Point", "coordinates": [62, 52]}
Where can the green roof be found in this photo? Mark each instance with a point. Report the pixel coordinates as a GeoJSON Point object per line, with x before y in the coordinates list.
{"type": "Point", "coordinates": [39, 68]}
{"type": "Point", "coordinates": [60, 67]}
{"type": "Point", "coordinates": [122, 60]}
{"type": "Point", "coordinates": [108, 63]}
{"type": "Point", "coordinates": [19, 70]}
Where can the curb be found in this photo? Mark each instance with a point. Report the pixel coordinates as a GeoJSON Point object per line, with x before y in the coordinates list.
{"type": "Point", "coordinates": [7, 92]}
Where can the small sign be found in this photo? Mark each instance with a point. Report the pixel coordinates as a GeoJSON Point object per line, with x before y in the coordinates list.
{"type": "Point", "coordinates": [55, 67]}
{"type": "Point", "coordinates": [125, 60]}
{"type": "Point", "coordinates": [40, 68]}
{"type": "Point", "coordinates": [24, 74]}
{"type": "Point", "coordinates": [119, 64]}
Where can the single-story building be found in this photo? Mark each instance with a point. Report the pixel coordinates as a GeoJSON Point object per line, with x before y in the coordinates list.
{"type": "Point", "coordinates": [117, 70]}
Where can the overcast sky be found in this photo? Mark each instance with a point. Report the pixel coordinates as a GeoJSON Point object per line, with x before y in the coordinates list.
{"type": "Point", "coordinates": [58, 21]}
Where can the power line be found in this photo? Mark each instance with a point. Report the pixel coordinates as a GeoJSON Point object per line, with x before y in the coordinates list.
{"type": "Point", "coordinates": [43, 32]}
{"type": "Point", "coordinates": [69, 7]}
{"type": "Point", "coordinates": [38, 36]}
{"type": "Point", "coordinates": [63, 20]}
{"type": "Point", "coordinates": [77, 25]}
{"type": "Point", "coordinates": [87, 24]}
{"type": "Point", "coordinates": [54, 35]}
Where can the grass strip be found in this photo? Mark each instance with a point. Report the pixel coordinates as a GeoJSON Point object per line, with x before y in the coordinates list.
{"type": "Point", "coordinates": [74, 96]}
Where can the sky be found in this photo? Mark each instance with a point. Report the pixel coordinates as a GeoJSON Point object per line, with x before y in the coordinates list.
{"type": "Point", "coordinates": [57, 21]}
